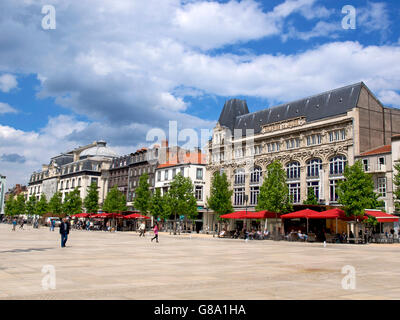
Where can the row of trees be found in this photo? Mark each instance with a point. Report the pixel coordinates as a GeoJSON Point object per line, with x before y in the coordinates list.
{"type": "Point", "coordinates": [72, 203]}
{"type": "Point", "coordinates": [355, 193]}
{"type": "Point", "coordinates": [178, 201]}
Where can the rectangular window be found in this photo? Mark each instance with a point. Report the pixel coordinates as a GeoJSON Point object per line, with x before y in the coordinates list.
{"type": "Point", "coordinates": [198, 193]}
{"type": "Point", "coordinates": [183, 171]}
{"type": "Point", "coordinates": [294, 192]}
{"type": "Point", "coordinates": [366, 165]}
{"type": "Point", "coordinates": [159, 176]}
{"type": "Point", "coordinates": [199, 174]}
{"type": "Point", "coordinates": [238, 196]}
{"type": "Point", "coordinates": [333, 184]}
{"type": "Point", "coordinates": [166, 175]}
{"type": "Point", "coordinates": [381, 163]}
{"type": "Point", "coordinates": [173, 173]}
{"type": "Point", "coordinates": [254, 192]}
{"type": "Point", "coordinates": [382, 187]}
{"type": "Point", "coordinates": [94, 180]}
{"type": "Point", "coordinates": [315, 186]}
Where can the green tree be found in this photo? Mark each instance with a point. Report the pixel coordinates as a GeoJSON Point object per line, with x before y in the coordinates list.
{"type": "Point", "coordinates": [42, 206]}
{"type": "Point", "coordinates": [55, 204]}
{"type": "Point", "coordinates": [9, 209]}
{"type": "Point", "coordinates": [31, 205]}
{"type": "Point", "coordinates": [356, 192]}
{"type": "Point", "coordinates": [115, 201]}
{"type": "Point", "coordinates": [396, 182]}
{"type": "Point", "coordinates": [311, 197]}
{"type": "Point", "coordinates": [159, 206]}
{"type": "Point", "coordinates": [91, 201]}
{"type": "Point", "coordinates": [181, 199]}
{"type": "Point", "coordinates": [274, 192]}
{"type": "Point", "coordinates": [143, 195]}
{"type": "Point", "coordinates": [19, 205]}
{"type": "Point", "coordinates": [72, 202]}
{"type": "Point", "coordinates": [220, 200]}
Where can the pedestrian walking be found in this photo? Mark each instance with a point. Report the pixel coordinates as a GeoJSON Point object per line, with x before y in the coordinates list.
{"type": "Point", "coordinates": [155, 229]}
{"type": "Point", "coordinates": [142, 229]}
{"type": "Point", "coordinates": [14, 223]}
{"type": "Point", "coordinates": [52, 224]}
{"type": "Point", "coordinates": [64, 231]}
{"type": "Point", "coordinates": [22, 224]}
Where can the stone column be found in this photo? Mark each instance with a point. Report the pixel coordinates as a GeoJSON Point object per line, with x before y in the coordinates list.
{"type": "Point", "coordinates": [303, 183]}
{"type": "Point", "coordinates": [324, 182]}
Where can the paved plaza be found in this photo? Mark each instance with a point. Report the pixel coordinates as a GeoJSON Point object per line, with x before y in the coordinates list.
{"type": "Point", "coordinates": [103, 265]}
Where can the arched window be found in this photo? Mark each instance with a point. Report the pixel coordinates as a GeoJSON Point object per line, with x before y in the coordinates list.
{"type": "Point", "coordinates": [255, 175]}
{"type": "Point", "coordinates": [313, 167]}
{"type": "Point", "coordinates": [67, 185]}
{"type": "Point", "coordinates": [73, 183]}
{"type": "Point", "coordinates": [240, 176]}
{"type": "Point", "coordinates": [293, 170]}
{"type": "Point", "coordinates": [337, 165]}
{"type": "Point", "coordinates": [79, 182]}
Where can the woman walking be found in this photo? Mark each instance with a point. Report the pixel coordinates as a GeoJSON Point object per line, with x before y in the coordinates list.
{"type": "Point", "coordinates": [155, 229]}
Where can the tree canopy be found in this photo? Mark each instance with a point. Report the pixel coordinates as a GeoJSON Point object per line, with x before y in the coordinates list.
{"type": "Point", "coordinates": [180, 197]}
{"type": "Point", "coordinates": [396, 182]}
{"type": "Point", "coordinates": [274, 192]}
{"type": "Point", "coordinates": [311, 197]}
{"type": "Point", "coordinates": [115, 201]}
{"type": "Point", "coordinates": [31, 205]}
{"type": "Point", "coordinates": [19, 205]}
{"type": "Point", "coordinates": [55, 203]}
{"type": "Point", "coordinates": [91, 201]}
{"type": "Point", "coordinates": [356, 192]}
{"type": "Point", "coordinates": [143, 195]}
{"type": "Point", "coordinates": [42, 206]}
{"type": "Point", "coordinates": [72, 202]}
{"type": "Point", "coordinates": [159, 206]}
{"type": "Point", "coordinates": [220, 200]}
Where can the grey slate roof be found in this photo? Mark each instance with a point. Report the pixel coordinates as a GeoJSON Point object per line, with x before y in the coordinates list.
{"type": "Point", "coordinates": [235, 114]}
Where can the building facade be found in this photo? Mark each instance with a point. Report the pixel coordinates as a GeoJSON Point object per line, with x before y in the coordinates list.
{"type": "Point", "coordinates": [190, 164]}
{"type": "Point", "coordinates": [314, 139]}
{"type": "Point", "coordinates": [77, 168]}
{"type": "Point", "coordinates": [125, 172]}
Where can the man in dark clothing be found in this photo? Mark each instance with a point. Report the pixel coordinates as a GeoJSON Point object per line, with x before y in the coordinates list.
{"type": "Point", "coordinates": [64, 231]}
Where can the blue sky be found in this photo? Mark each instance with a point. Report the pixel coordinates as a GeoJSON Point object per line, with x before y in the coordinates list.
{"type": "Point", "coordinates": [115, 70]}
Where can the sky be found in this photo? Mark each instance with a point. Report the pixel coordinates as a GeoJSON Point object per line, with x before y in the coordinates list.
{"type": "Point", "coordinates": [116, 70]}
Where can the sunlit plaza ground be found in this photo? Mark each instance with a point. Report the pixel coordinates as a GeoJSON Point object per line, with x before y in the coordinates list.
{"type": "Point", "coordinates": [103, 265]}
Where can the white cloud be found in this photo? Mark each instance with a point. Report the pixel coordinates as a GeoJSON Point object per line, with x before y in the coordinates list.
{"type": "Point", "coordinates": [373, 17]}
{"type": "Point", "coordinates": [390, 97]}
{"type": "Point", "coordinates": [211, 24]}
{"type": "Point", "coordinates": [7, 82]}
{"type": "Point", "coordinates": [6, 108]}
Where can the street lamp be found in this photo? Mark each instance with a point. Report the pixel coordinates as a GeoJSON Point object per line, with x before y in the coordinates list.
{"type": "Point", "coordinates": [246, 198]}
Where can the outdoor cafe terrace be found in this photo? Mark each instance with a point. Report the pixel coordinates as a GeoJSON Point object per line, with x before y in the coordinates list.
{"type": "Point", "coordinates": [331, 225]}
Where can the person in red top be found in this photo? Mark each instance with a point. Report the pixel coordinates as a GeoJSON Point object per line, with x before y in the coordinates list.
{"type": "Point", "coordinates": [155, 229]}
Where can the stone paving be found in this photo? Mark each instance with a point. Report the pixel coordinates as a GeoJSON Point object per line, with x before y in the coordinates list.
{"type": "Point", "coordinates": [103, 265]}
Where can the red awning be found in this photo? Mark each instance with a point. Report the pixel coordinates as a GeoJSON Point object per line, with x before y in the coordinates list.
{"type": "Point", "coordinates": [80, 215]}
{"type": "Point", "coordinates": [306, 213]}
{"type": "Point", "coordinates": [381, 216]}
{"type": "Point", "coordinates": [264, 214]}
{"type": "Point", "coordinates": [234, 215]}
{"type": "Point", "coordinates": [135, 216]}
{"type": "Point", "coordinates": [107, 215]}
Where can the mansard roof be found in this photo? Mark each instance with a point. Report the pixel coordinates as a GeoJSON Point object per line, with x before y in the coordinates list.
{"type": "Point", "coordinates": [235, 114]}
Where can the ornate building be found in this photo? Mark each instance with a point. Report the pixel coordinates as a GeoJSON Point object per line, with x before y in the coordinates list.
{"type": "Point", "coordinates": [314, 138]}
{"type": "Point", "coordinates": [125, 171]}
{"type": "Point", "coordinates": [77, 168]}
